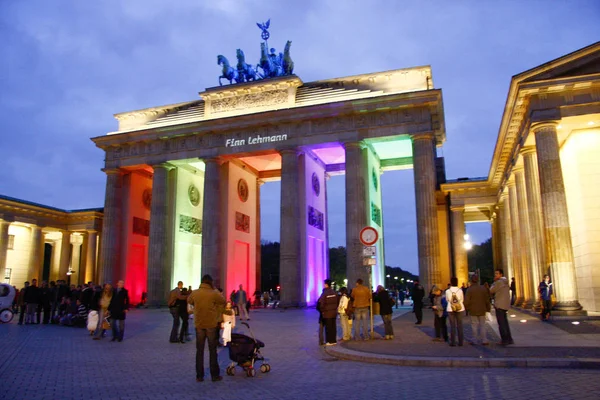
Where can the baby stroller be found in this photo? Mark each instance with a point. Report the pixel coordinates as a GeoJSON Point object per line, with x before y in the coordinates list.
{"type": "Point", "coordinates": [7, 296]}
{"type": "Point", "coordinates": [244, 351]}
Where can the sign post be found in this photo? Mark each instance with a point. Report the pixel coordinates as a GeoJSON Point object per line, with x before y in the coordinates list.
{"type": "Point", "coordinates": [368, 237]}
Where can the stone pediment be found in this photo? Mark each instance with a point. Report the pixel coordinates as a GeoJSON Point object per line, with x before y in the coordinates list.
{"type": "Point", "coordinates": [585, 61]}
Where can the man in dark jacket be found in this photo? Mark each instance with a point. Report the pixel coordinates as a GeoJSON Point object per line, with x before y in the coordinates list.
{"type": "Point", "coordinates": [545, 290]}
{"type": "Point", "coordinates": [118, 308]}
{"type": "Point", "coordinates": [477, 303]}
{"type": "Point", "coordinates": [32, 298]}
{"type": "Point", "coordinates": [417, 294]}
{"type": "Point", "coordinates": [328, 304]}
{"type": "Point", "coordinates": [209, 305]}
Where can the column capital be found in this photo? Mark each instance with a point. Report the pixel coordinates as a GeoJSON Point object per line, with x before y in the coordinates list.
{"type": "Point", "coordinates": [164, 165]}
{"type": "Point", "coordinates": [360, 144]}
{"type": "Point", "coordinates": [113, 171]}
{"type": "Point", "coordinates": [457, 207]}
{"type": "Point", "coordinates": [545, 126]}
{"type": "Point", "coordinates": [518, 169]}
{"type": "Point", "coordinates": [214, 160]}
{"type": "Point", "coordinates": [528, 150]}
{"type": "Point", "coordinates": [291, 150]}
{"type": "Point", "coordinates": [423, 136]}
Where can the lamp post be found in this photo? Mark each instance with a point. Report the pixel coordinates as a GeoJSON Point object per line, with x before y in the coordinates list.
{"type": "Point", "coordinates": [387, 281]}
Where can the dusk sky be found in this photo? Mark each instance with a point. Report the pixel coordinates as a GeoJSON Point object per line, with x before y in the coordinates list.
{"type": "Point", "coordinates": [68, 66]}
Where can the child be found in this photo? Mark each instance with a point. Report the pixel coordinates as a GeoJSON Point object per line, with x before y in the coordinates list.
{"type": "Point", "coordinates": [228, 323]}
{"type": "Point", "coordinates": [439, 309]}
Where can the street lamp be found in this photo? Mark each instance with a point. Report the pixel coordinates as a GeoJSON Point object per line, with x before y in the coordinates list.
{"type": "Point", "coordinates": [467, 244]}
{"type": "Point", "coordinates": [387, 283]}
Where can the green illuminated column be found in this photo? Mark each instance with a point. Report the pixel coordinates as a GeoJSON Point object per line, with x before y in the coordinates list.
{"type": "Point", "coordinates": [556, 218]}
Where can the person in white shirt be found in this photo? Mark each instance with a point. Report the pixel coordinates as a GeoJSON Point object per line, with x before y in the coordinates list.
{"type": "Point", "coordinates": [456, 311]}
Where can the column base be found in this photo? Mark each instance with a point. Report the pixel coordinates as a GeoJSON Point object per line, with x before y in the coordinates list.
{"type": "Point", "coordinates": [291, 304]}
{"type": "Point", "coordinates": [537, 306]}
{"type": "Point", "coordinates": [518, 302]}
{"type": "Point", "coordinates": [567, 306]}
{"type": "Point", "coordinates": [574, 313]}
{"type": "Point", "coordinates": [527, 304]}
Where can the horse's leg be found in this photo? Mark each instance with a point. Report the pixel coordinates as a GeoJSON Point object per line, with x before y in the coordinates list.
{"type": "Point", "coordinates": [220, 84]}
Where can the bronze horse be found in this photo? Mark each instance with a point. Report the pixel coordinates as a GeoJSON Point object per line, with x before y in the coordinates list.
{"type": "Point", "coordinates": [229, 73]}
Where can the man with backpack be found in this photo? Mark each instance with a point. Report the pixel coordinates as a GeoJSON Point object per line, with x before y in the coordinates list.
{"type": "Point", "coordinates": [328, 305]}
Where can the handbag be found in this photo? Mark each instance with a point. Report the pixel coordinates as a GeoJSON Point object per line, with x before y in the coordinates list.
{"type": "Point", "coordinates": [105, 324]}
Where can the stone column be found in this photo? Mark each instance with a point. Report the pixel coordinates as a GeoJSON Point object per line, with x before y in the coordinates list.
{"type": "Point", "coordinates": [290, 272]}
{"type": "Point", "coordinates": [536, 222]}
{"type": "Point", "coordinates": [427, 223]}
{"type": "Point", "coordinates": [461, 263]}
{"type": "Point", "coordinates": [556, 218]}
{"type": "Point", "coordinates": [3, 247]}
{"type": "Point", "coordinates": [65, 255]}
{"type": "Point", "coordinates": [76, 242]}
{"type": "Point", "coordinates": [516, 241]}
{"type": "Point", "coordinates": [504, 209]}
{"type": "Point", "coordinates": [159, 254]}
{"type": "Point", "coordinates": [259, 183]}
{"type": "Point", "coordinates": [110, 251]}
{"type": "Point", "coordinates": [357, 210]}
{"type": "Point", "coordinates": [528, 253]}
{"type": "Point", "coordinates": [89, 266]}
{"type": "Point", "coordinates": [212, 214]}
{"type": "Point", "coordinates": [501, 237]}
{"type": "Point", "coordinates": [496, 239]}
{"type": "Point", "coordinates": [37, 254]}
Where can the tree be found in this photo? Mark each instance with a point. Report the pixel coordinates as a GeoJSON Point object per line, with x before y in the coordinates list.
{"type": "Point", "coordinates": [269, 263]}
{"type": "Point", "coordinates": [481, 258]}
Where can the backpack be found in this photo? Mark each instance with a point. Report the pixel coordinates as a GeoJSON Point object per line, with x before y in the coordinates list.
{"type": "Point", "coordinates": [350, 308]}
{"type": "Point", "coordinates": [455, 304]}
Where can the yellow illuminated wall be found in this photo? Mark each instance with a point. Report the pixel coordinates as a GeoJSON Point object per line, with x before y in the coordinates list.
{"type": "Point", "coordinates": [17, 259]}
{"type": "Point", "coordinates": [581, 171]}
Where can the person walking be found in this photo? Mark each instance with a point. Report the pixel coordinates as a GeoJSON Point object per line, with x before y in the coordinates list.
{"type": "Point", "coordinates": [182, 312]}
{"type": "Point", "coordinates": [361, 297]}
{"type": "Point", "coordinates": [104, 299]}
{"type": "Point", "coordinates": [456, 311]}
{"type": "Point", "coordinates": [385, 309]}
{"type": "Point", "coordinates": [417, 295]}
{"type": "Point", "coordinates": [344, 318]}
{"type": "Point", "coordinates": [328, 305]}
{"type": "Point", "coordinates": [175, 295]}
{"type": "Point", "coordinates": [118, 308]}
{"type": "Point", "coordinates": [241, 300]}
{"type": "Point", "coordinates": [208, 305]}
{"type": "Point", "coordinates": [545, 290]}
{"type": "Point", "coordinates": [501, 292]}
{"type": "Point", "coordinates": [477, 303]}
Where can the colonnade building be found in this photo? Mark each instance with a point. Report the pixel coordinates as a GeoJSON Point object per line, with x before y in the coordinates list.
{"type": "Point", "coordinates": [183, 184]}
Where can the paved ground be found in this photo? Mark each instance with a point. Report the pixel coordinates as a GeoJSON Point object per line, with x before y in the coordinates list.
{"type": "Point", "coordinates": [52, 362]}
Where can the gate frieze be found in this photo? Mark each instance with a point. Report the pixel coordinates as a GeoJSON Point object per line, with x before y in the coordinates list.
{"type": "Point", "coordinates": [195, 142]}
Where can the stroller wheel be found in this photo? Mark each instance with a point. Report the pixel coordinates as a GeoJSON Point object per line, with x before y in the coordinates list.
{"type": "Point", "coordinates": [264, 368]}
{"type": "Point", "coordinates": [251, 372]}
{"type": "Point", "coordinates": [268, 368]}
{"type": "Point", "coordinates": [230, 371]}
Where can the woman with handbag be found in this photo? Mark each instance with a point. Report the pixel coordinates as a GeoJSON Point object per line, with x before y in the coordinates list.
{"type": "Point", "coordinates": [456, 311]}
{"type": "Point", "coordinates": [103, 314]}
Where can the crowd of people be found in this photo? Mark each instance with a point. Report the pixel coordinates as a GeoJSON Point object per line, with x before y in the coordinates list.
{"type": "Point", "coordinates": [72, 305]}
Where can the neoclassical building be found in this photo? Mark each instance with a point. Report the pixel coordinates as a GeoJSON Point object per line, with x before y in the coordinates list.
{"type": "Point", "coordinates": [541, 195]}
{"type": "Point", "coordinates": [183, 185]}
{"type": "Point", "coordinates": [46, 243]}
{"type": "Point", "coordinates": [183, 180]}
